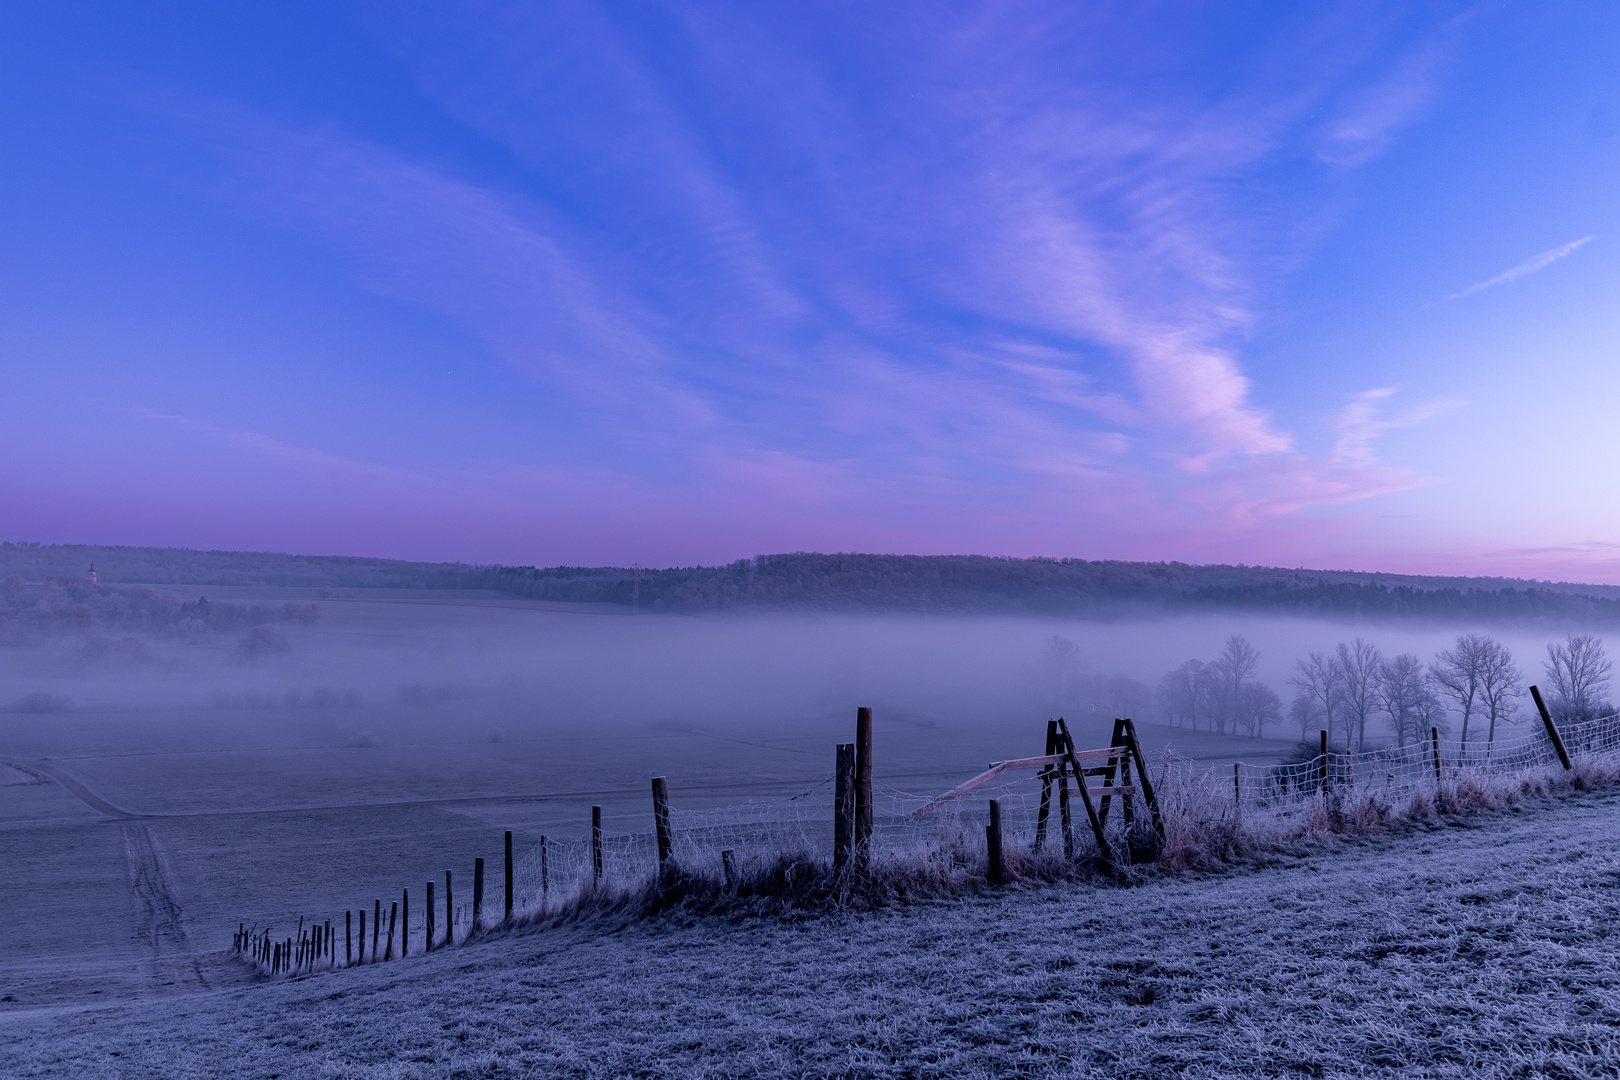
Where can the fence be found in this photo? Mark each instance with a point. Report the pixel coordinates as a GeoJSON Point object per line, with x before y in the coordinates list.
{"type": "Point", "coordinates": [846, 812]}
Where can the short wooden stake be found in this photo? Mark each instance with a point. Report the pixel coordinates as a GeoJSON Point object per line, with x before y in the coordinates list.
{"type": "Point", "coordinates": [545, 882]}
{"type": "Point", "coordinates": [1434, 737]}
{"type": "Point", "coordinates": [596, 842]}
{"type": "Point", "coordinates": [844, 807]}
{"type": "Point", "coordinates": [997, 870]}
{"type": "Point", "coordinates": [362, 935]}
{"type": "Point", "coordinates": [509, 897]}
{"type": "Point", "coordinates": [1237, 785]}
{"type": "Point", "coordinates": [427, 937]}
{"type": "Point", "coordinates": [393, 913]}
{"type": "Point", "coordinates": [1552, 729]}
{"type": "Point", "coordinates": [728, 865]}
{"type": "Point", "coordinates": [478, 894]}
{"type": "Point", "coordinates": [449, 912]}
{"type": "Point", "coordinates": [660, 793]}
{"type": "Point", "coordinates": [863, 788]}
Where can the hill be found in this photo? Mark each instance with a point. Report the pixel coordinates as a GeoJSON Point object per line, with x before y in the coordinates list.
{"type": "Point", "coordinates": [807, 580]}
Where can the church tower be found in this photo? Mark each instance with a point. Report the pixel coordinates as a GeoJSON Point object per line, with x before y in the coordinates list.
{"type": "Point", "coordinates": [92, 574]}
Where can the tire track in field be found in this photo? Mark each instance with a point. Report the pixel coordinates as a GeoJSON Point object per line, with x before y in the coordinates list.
{"type": "Point", "coordinates": [158, 924]}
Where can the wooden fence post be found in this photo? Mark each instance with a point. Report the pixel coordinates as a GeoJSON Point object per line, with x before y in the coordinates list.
{"type": "Point", "coordinates": [362, 935]}
{"type": "Point", "coordinates": [844, 807]}
{"type": "Point", "coordinates": [728, 864]}
{"type": "Point", "coordinates": [997, 872]}
{"type": "Point", "coordinates": [376, 927]}
{"type": "Point", "coordinates": [1237, 785]}
{"type": "Point", "coordinates": [427, 936]}
{"type": "Point", "coordinates": [545, 881]}
{"type": "Point", "coordinates": [1143, 781]}
{"type": "Point", "coordinates": [1324, 761]}
{"type": "Point", "coordinates": [1434, 740]}
{"type": "Point", "coordinates": [478, 893]}
{"type": "Point", "coordinates": [1046, 786]}
{"type": "Point", "coordinates": [1552, 729]}
{"type": "Point", "coordinates": [405, 922]}
{"type": "Point", "coordinates": [596, 843]}
{"type": "Point", "coordinates": [863, 788]}
{"type": "Point", "coordinates": [449, 912]}
{"type": "Point", "coordinates": [393, 913]}
{"type": "Point", "coordinates": [509, 878]}
{"type": "Point", "coordinates": [660, 790]}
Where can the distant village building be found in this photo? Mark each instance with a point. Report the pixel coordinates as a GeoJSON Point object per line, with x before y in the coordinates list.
{"type": "Point", "coordinates": [92, 574]}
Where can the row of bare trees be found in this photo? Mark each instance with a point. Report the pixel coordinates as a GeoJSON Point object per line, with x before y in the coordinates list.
{"type": "Point", "coordinates": [1356, 685]}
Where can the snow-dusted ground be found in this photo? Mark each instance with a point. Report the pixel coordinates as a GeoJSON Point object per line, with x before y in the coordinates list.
{"type": "Point", "coordinates": [1480, 947]}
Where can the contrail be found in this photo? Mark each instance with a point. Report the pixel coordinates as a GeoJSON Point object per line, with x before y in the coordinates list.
{"type": "Point", "coordinates": [1529, 266]}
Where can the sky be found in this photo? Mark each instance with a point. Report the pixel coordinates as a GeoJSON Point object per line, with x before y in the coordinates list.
{"type": "Point", "coordinates": [1314, 284]}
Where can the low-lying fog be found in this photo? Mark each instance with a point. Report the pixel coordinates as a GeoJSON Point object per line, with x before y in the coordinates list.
{"type": "Point", "coordinates": [430, 667]}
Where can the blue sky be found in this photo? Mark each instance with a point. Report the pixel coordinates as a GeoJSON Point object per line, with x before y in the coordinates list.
{"type": "Point", "coordinates": [1322, 285]}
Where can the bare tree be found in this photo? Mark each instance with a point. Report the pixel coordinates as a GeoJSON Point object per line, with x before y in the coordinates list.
{"type": "Point", "coordinates": [1257, 705]}
{"type": "Point", "coordinates": [1401, 689]}
{"type": "Point", "coordinates": [1358, 667]}
{"type": "Point", "coordinates": [1178, 694]}
{"type": "Point", "coordinates": [1457, 672]}
{"type": "Point", "coordinates": [1500, 684]}
{"type": "Point", "coordinates": [1306, 711]}
{"type": "Point", "coordinates": [1578, 674]}
{"type": "Point", "coordinates": [1317, 678]}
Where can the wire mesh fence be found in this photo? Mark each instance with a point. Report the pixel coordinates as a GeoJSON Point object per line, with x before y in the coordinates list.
{"type": "Point", "coordinates": [745, 840]}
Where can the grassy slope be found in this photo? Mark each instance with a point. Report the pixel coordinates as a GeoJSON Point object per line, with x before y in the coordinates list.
{"type": "Point", "coordinates": [1482, 947]}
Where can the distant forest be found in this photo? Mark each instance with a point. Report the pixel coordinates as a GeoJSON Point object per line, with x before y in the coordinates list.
{"type": "Point", "coordinates": [915, 583]}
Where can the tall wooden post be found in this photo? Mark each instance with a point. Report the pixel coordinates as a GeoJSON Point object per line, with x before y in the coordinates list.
{"type": "Point", "coordinates": [478, 893]}
{"type": "Point", "coordinates": [997, 871]}
{"type": "Point", "coordinates": [376, 927]}
{"type": "Point", "coordinates": [1552, 729]}
{"type": "Point", "coordinates": [660, 790]}
{"type": "Point", "coordinates": [509, 878]}
{"type": "Point", "coordinates": [1434, 737]}
{"type": "Point", "coordinates": [348, 937]}
{"type": "Point", "coordinates": [596, 842]}
{"type": "Point", "coordinates": [844, 807]}
{"type": "Point", "coordinates": [1143, 781]}
{"type": "Point", "coordinates": [1324, 761]}
{"type": "Point", "coordinates": [363, 936]}
{"type": "Point", "coordinates": [1046, 786]}
{"type": "Point", "coordinates": [449, 912]}
{"type": "Point", "coordinates": [393, 913]}
{"type": "Point", "coordinates": [427, 937]}
{"type": "Point", "coordinates": [863, 787]}
{"type": "Point", "coordinates": [405, 922]}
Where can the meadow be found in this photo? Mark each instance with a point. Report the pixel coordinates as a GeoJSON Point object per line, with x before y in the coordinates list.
{"type": "Point", "coordinates": [164, 795]}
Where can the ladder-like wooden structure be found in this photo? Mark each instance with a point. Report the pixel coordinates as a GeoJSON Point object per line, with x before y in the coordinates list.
{"type": "Point", "coordinates": [1113, 765]}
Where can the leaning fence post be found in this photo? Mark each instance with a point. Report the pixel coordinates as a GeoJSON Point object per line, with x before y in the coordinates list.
{"type": "Point", "coordinates": [1324, 761]}
{"type": "Point", "coordinates": [992, 835]}
{"type": "Point", "coordinates": [596, 843]}
{"type": "Point", "coordinates": [509, 897]}
{"type": "Point", "coordinates": [1552, 728]}
{"type": "Point", "coordinates": [393, 913]}
{"type": "Point", "coordinates": [478, 893]}
{"type": "Point", "coordinates": [844, 807]}
{"type": "Point", "coordinates": [1434, 739]}
{"type": "Point", "coordinates": [863, 787]}
{"type": "Point", "coordinates": [660, 790]}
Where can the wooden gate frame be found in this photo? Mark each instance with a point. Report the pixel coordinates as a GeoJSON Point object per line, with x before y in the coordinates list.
{"type": "Point", "coordinates": [1059, 763]}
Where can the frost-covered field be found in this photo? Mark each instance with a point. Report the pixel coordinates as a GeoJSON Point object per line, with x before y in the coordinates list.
{"type": "Point", "coordinates": [1478, 947]}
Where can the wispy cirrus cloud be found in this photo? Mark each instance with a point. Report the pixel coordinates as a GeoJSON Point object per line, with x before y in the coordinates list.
{"type": "Point", "coordinates": [1524, 269]}
{"type": "Point", "coordinates": [981, 277]}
